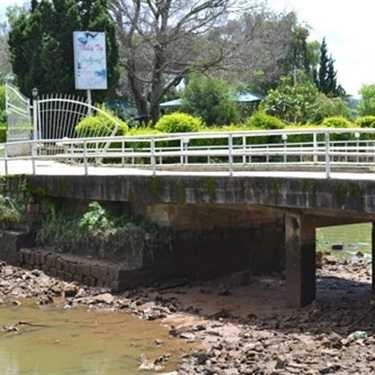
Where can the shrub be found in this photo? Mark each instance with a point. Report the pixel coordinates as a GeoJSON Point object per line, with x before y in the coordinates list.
{"type": "Point", "coordinates": [178, 122]}
{"type": "Point", "coordinates": [366, 121]}
{"type": "Point", "coordinates": [261, 120]}
{"type": "Point", "coordinates": [366, 105]}
{"type": "Point", "coordinates": [211, 99]}
{"type": "Point", "coordinates": [293, 101]}
{"type": "Point", "coordinates": [10, 213]}
{"type": "Point", "coordinates": [100, 125]}
{"type": "Point", "coordinates": [96, 219]}
{"type": "Point", "coordinates": [328, 107]}
{"type": "Point", "coordinates": [336, 122]}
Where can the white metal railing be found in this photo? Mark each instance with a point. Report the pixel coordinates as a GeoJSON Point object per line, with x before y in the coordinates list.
{"type": "Point", "coordinates": [267, 150]}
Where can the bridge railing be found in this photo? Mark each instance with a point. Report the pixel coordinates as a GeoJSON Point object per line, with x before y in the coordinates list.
{"type": "Point", "coordinates": [322, 149]}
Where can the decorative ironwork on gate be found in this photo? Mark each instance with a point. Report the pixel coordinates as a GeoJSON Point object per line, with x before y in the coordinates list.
{"type": "Point", "coordinates": [52, 118]}
{"type": "Point", "coordinates": [18, 111]}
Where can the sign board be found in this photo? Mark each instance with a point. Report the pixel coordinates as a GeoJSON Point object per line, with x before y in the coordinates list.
{"type": "Point", "coordinates": [90, 60]}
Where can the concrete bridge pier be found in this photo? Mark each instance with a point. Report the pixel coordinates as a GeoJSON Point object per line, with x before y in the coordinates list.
{"type": "Point", "coordinates": [300, 260]}
{"type": "Point", "coordinates": [373, 260]}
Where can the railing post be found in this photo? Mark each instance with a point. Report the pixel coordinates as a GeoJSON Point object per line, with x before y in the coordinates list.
{"type": "Point", "coordinates": [230, 144]}
{"type": "Point", "coordinates": [153, 159]}
{"type": "Point", "coordinates": [85, 158]}
{"type": "Point", "coordinates": [182, 151]}
{"type": "Point", "coordinates": [33, 146]}
{"type": "Point", "coordinates": [315, 147]}
{"type": "Point", "coordinates": [327, 156]}
{"type": "Point", "coordinates": [244, 150]}
{"type": "Point", "coordinates": [123, 153]}
{"type": "Point", "coordinates": [6, 159]}
{"type": "Point", "coordinates": [35, 123]}
{"type": "Point", "coordinates": [285, 139]}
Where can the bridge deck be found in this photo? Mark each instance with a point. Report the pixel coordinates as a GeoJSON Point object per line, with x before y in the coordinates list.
{"type": "Point", "coordinates": [54, 168]}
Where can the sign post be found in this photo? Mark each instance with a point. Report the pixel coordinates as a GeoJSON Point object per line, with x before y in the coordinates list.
{"type": "Point", "coordinates": [90, 62]}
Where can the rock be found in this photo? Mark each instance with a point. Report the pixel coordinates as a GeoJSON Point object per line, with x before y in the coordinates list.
{"type": "Point", "coordinates": [359, 254]}
{"type": "Point", "coordinates": [201, 357]}
{"type": "Point", "coordinates": [358, 335]}
{"type": "Point", "coordinates": [70, 290]}
{"type": "Point", "coordinates": [45, 299]}
{"type": "Point", "coordinates": [157, 365]}
{"type": "Point", "coordinates": [330, 369]}
{"type": "Point", "coordinates": [104, 298]}
{"type": "Point", "coordinates": [190, 337]}
{"type": "Point", "coordinates": [35, 273]}
{"type": "Point", "coordinates": [330, 260]}
{"type": "Point", "coordinates": [11, 328]}
{"type": "Point", "coordinates": [225, 292]}
{"type": "Point", "coordinates": [337, 246]}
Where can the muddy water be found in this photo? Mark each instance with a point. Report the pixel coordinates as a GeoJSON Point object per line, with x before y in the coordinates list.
{"type": "Point", "coordinates": [64, 342]}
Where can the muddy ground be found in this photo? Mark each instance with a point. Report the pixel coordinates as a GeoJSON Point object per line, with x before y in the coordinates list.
{"type": "Point", "coordinates": [240, 323]}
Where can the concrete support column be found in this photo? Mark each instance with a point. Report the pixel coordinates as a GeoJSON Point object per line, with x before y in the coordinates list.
{"type": "Point", "coordinates": [373, 260]}
{"type": "Point", "coordinates": [300, 261]}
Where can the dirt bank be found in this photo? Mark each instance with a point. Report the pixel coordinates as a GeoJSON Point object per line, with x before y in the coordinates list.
{"type": "Point", "coordinates": [241, 322]}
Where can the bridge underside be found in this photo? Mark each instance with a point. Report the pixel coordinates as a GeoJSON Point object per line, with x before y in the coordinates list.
{"type": "Point", "coordinates": [271, 220]}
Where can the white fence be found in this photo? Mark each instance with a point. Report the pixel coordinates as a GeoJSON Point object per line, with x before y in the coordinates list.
{"type": "Point", "coordinates": [275, 150]}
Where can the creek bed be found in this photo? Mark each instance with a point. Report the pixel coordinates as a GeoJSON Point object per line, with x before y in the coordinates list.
{"type": "Point", "coordinates": [54, 341]}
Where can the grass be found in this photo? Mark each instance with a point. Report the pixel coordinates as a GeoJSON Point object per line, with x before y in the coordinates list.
{"type": "Point", "coordinates": [355, 237]}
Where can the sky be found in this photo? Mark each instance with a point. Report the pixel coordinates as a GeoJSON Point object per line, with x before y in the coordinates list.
{"type": "Point", "coordinates": [347, 26]}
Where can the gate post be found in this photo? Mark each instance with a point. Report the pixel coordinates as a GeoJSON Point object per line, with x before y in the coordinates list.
{"type": "Point", "coordinates": [34, 146]}
{"type": "Point", "coordinates": [35, 113]}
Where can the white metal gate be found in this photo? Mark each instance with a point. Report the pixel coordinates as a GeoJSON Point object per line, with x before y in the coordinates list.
{"type": "Point", "coordinates": [52, 118]}
{"type": "Point", "coordinates": [19, 122]}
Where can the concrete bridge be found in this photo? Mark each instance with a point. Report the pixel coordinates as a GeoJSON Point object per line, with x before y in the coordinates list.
{"type": "Point", "coordinates": [281, 214]}
{"type": "Point", "coordinates": [238, 203]}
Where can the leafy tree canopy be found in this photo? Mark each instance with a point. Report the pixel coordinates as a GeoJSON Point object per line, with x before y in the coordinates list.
{"type": "Point", "coordinates": [211, 99]}
{"type": "Point", "coordinates": [293, 102]}
{"type": "Point", "coordinates": [366, 105]}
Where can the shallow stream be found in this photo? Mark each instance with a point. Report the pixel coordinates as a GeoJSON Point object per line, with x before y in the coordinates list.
{"type": "Point", "coordinates": [53, 341]}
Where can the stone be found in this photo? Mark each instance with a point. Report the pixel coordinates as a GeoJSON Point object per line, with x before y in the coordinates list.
{"type": "Point", "coordinates": [45, 299]}
{"type": "Point", "coordinates": [104, 298]}
{"type": "Point", "coordinates": [337, 246]}
{"type": "Point", "coordinates": [70, 290]}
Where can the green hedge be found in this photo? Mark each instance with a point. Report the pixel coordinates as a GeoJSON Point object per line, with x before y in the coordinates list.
{"type": "Point", "coordinates": [366, 121]}
{"type": "Point", "coordinates": [179, 122]}
{"type": "Point", "coordinates": [261, 120]}
{"type": "Point", "coordinates": [100, 125]}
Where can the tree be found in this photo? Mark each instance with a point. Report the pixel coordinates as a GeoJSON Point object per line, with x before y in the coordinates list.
{"type": "Point", "coordinates": [327, 77]}
{"type": "Point", "coordinates": [41, 43]}
{"type": "Point", "coordinates": [259, 49]}
{"type": "Point", "coordinates": [298, 57]}
{"type": "Point", "coordinates": [5, 67]}
{"type": "Point", "coordinates": [328, 107]}
{"type": "Point", "coordinates": [162, 41]}
{"type": "Point", "coordinates": [366, 105]}
{"type": "Point", "coordinates": [293, 101]}
{"type": "Point", "coordinates": [211, 99]}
